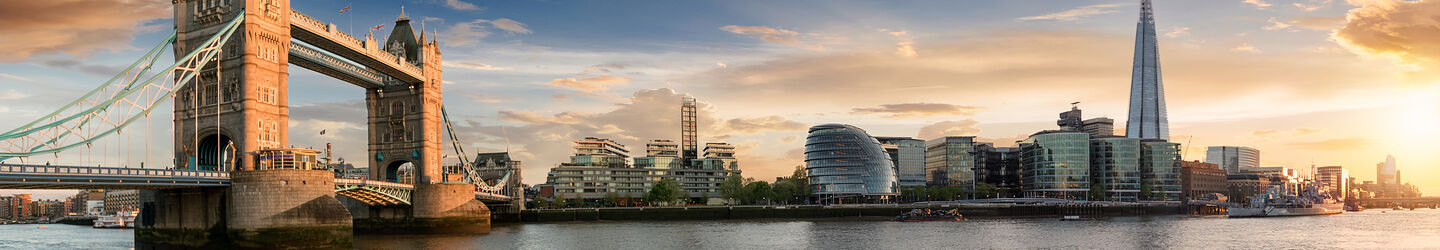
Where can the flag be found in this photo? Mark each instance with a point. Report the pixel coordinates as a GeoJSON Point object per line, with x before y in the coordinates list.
{"type": "Point", "coordinates": [343, 10]}
{"type": "Point", "coordinates": [322, 131]}
{"type": "Point", "coordinates": [377, 27]}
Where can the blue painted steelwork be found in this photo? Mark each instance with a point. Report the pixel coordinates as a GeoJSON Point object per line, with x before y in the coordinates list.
{"type": "Point", "coordinates": [17, 176]}
{"type": "Point", "coordinates": [330, 65]}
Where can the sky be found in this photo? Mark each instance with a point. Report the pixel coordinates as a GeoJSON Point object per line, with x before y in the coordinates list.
{"type": "Point", "coordinates": [1322, 82]}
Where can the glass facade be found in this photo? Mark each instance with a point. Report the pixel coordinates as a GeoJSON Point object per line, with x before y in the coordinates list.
{"type": "Point", "coordinates": [999, 166]}
{"type": "Point", "coordinates": [1160, 169]}
{"type": "Point", "coordinates": [1115, 167]}
{"type": "Point", "coordinates": [843, 160]}
{"type": "Point", "coordinates": [1056, 165]}
{"type": "Point", "coordinates": [950, 162]}
{"type": "Point", "coordinates": [1147, 119]}
{"type": "Point", "coordinates": [908, 155]}
{"type": "Point", "coordinates": [1232, 158]}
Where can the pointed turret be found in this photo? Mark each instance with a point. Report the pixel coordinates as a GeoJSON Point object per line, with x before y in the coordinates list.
{"type": "Point", "coordinates": [402, 42]}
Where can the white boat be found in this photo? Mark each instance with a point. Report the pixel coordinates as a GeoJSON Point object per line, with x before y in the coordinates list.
{"type": "Point", "coordinates": [119, 220]}
{"type": "Point", "coordinates": [1273, 204]}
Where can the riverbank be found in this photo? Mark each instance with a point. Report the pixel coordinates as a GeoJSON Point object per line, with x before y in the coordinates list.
{"type": "Point", "coordinates": [77, 220]}
{"type": "Point", "coordinates": [783, 212]}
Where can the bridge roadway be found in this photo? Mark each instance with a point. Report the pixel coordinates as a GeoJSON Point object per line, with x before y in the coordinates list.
{"type": "Point", "coordinates": [381, 69]}
{"type": "Point", "coordinates": [21, 176]}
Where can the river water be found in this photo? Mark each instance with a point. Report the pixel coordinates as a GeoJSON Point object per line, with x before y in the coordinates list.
{"type": "Point", "coordinates": [1366, 230]}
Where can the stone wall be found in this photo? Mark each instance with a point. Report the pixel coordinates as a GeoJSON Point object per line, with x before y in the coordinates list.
{"type": "Point", "coordinates": [297, 208]}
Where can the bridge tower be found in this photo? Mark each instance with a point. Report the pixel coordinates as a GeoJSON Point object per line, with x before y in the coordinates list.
{"type": "Point", "coordinates": [404, 119]}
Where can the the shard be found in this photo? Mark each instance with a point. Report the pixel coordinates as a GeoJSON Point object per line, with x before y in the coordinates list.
{"type": "Point", "coordinates": [1147, 93]}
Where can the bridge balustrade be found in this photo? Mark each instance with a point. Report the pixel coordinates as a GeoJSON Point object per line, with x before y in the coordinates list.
{"type": "Point", "coordinates": [81, 170]}
{"type": "Point", "coordinates": [372, 50]}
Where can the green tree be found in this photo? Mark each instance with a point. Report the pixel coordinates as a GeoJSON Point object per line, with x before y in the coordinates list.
{"type": "Point", "coordinates": [730, 188]}
{"type": "Point", "coordinates": [757, 191]}
{"type": "Point", "coordinates": [612, 199]}
{"type": "Point", "coordinates": [943, 193]}
{"type": "Point", "coordinates": [785, 190]}
{"type": "Point", "coordinates": [914, 193]}
{"type": "Point", "coordinates": [666, 191]}
{"type": "Point", "coordinates": [1097, 193]}
{"type": "Point", "coordinates": [801, 179]}
{"type": "Point", "coordinates": [985, 190]}
{"type": "Point", "coordinates": [1145, 191]}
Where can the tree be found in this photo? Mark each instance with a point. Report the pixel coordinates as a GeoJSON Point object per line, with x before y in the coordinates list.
{"type": "Point", "coordinates": [1145, 191]}
{"type": "Point", "coordinates": [730, 188]}
{"type": "Point", "coordinates": [914, 193]}
{"type": "Point", "coordinates": [612, 199]}
{"type": "Point", "coordinates": [943, 193]}
{"type": "Point", "coordinates": [1097, 193]}
{"type": "Point", "coordinates": [985, 190]}
{"type": "Point", "coordinates": [665, 191]}
{"type": "Point", "coordinates": [801, 179]}
{"type": "Point", "coordinates": [757, 191]}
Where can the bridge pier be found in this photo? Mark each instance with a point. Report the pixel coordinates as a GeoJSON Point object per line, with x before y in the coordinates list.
{"type": "Point", "coordinates": [434, 209]}
{"type": "Point", "coordinates": [188, 217]}
{"type": "Point", "coordinates": [282, 208]}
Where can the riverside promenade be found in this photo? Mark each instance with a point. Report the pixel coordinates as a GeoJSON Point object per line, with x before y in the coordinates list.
{"type": "Point", "coordinates": [840, 211]}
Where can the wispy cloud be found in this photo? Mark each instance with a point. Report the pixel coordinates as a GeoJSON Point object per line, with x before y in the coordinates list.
{"type": "Point", "coordinates": [1178, 32]}
{"type": "Point", "coordinates": [1245, 47]}
{"type": "Point", "coordinates": [773, 35]}
{"type": "Point", "coordinates": [910, 110]}
{"type": "Point", "coordinates": [3, 75]}
{"type": "Point", "coordinates": [1074, 14]}
{"type": "Point", "coordinates": [906, 46]}
{"type": "Point", "coordinates": [1259, 4]}
{"type": "Point", "coordinates": [475, 66]}
{"type": "Point", "coordinates": [467, 33]}
{"type": "Point", "coordinates": [461, 5]}
{"type": "Point", "coordinates": [590, 84]}
{"type": "Point", "coordinates": [1276, 24]}
{"type": "Point", "coordinates": [12, 95]}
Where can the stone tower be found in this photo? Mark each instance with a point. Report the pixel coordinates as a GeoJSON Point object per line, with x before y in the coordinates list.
{"type": "Point", "coordinates": [405, 119]}
{"type": "Point", "coordinates": [248, 90]}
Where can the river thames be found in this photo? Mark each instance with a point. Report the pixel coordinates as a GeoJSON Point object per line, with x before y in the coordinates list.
{"type": "Point", "coordinates": [1366, 230]}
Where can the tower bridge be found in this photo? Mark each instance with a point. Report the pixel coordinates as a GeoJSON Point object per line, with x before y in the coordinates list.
{"type": "Point", "coordinates": [233, 182]}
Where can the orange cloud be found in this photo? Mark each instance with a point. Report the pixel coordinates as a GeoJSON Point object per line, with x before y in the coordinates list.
{"type": "Point", "coordinates": [73, 27]}
{"type": "Point", "coordinates": [1403, 30]}
{"type": "Point", "coordinates": [590, 84]}
{"type": "Point", "coordinates": [911, 110]}
{"type": "Point", "coordinates": [772, 35]}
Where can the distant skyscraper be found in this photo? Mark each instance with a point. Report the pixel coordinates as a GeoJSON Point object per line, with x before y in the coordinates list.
{"type": "Point", "coordinates": [689, 141]}
{"type": "Point", "coordinates": [1385, 172]}
{"type": "Point", "coordinates": [1147, 94]}
{"type": "Point", "coordinates": [1232, 158]}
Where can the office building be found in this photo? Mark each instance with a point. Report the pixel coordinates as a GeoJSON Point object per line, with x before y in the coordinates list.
{"type": "Point", "coordinates": [1055, 164]}
{"type": "Point", "coordinates": [1147, 119]}
{"type": "Point", "coordinates": [908, 156]}
{"type": "Point", "coordinates": [1385, 172]}
{"type": "Point", "coordinates": [998, 166]}
{"type": "Point", "coordinates": [1115, 168]}
{"type": "Point", "coordinates": [1334, 179]}
{"type": "Point", "coordinates": [846, 165]}
{"type": "Point", "coordinates": [950, 162]}
{"type": "Point", "coordinates": [1159, 170]}
{"type": "Point", "coordinates": [121, 201]}
{"type": "Point", "coordinates": [1096, 127]}
{"type": "Point", "coordinates": [1199, 179]}
{"type": "Point", "coordinates": [1232, 158]}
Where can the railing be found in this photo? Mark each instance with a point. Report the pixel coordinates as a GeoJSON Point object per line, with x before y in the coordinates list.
{"type": "Point", "coordinates": [306, 22]}
{"type": "Point", "coordinates": [75, 170]}
{"type": "Point", "coordinates": [312, 54]}
{"type": "Point", "coordinates": [373, 183]}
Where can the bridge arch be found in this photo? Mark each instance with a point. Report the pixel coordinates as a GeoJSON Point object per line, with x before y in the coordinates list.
{"type": "Point", "coordinates": [400, 171]}
{"type": "Point", "coordinates": [216, 151]}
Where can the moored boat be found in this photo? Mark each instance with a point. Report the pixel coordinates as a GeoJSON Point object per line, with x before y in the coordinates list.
{"type": "Point", "coordinates": [1273, 204]}
{"type": "Point", "coordinates": [119, 220]}
{"type": "Point", "coordinates": [925, 214]}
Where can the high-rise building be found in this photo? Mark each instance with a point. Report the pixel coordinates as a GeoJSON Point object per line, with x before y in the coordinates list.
{"type": "Point", "coordinates": [845, 163]}
{"type": "Point", "coordinates": [1385, 172]}
{"type": "Point", "coordinates": [998, 166]}
{"type": "Point", "coordinates": [1147, 119]}
{"type": "Point", "coordinates": [950, 162]}
{"type": "Point", "coordinates": [1159, 170]}
{"type": "Point", "coordinates": [1096, 127]}
{"type": "Point", "coordinates": [1198, 179]}
{"type": "Point", "coordinates": [1115, 168]}
{"type": "Point", "coordinates": [1232, 158]}
{"type": "Point", "coordinates": [689, 137]}
{"type": "Point", "coordinates": [1334, 180]}
{"type": "Point", "coordinates": [908, 156]}
{"type": "Point", "coordinates": [1055, 164]}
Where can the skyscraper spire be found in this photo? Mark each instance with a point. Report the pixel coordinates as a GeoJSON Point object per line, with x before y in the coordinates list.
{"type": "Point", "coordinates": [1147, 118]}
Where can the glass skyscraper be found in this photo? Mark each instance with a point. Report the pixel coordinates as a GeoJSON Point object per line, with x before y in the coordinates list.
{"type": "Point", "coordinates": [1055, 164]}
{"type": "Point", "coordinates": [1160, 169]}
{"type": "Point", "coordinates": [1115, 167]}
{"type": "Point", "coordinates": [950, 162]}
{"type": "Point", "coordinates": [1232, 158]}
{"type": "Point", "coordinates": [1147, 93]}
{"type": "Point", "coordinates": [845, 163]}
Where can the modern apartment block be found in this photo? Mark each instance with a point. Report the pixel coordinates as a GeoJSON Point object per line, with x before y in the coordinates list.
{"type": "Point", "coordinates": [595, 170]}
{"type": "Point", "coordinates": [950, 162]}
{"type": "Point", "coordinates": [121, 200]}
{"type": "Point", "coordinates": [908, 156]}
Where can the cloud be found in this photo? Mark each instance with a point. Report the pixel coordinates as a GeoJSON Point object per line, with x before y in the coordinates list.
{"type": "Point", "coordinates": [773, 35]}
{"type": "Point", "coordinates": [470, 33]}
{"type": "Point", "coordinates": [1318, 23]}
{"type": "Point", "coordinates": [1245, 47]}
{"type": "Point", "coordinates": [1178, 32]}
{"type": "Point", "coordinates": [74, 27]}
{"type": "Point", "coordinates": [1264, 133]}
{"type": "Point", "coordinates": [460, 5]}
{"type": "Point", "coordinates": [1306, 131]}
{"type": "Point", "coordinates": [12, 95]}
{"type": "Point", "coordinates": [761, 124]}
{"type": "Point", "coordinates": [590, 84]}
{"type": "Point", "coordinates": [474, 66]}
{"type": "Point", "coordinates": [93, 69]}
{"type": "Point", "coordinates": [906, 46]}
{"type": "Point", "coordinates": [911, 110]}
{"type": "Point", "coordinates": [1073, 14]}
{"type": "Point", "coordinates": [949, 128]}
{"type": "Point", "coordinates": [1259, 4]}
{"type": "Point", "coordinates": [1403, 30]}
{"type": "Point", "coordinates": [14, 77]}
{"type": "Point", "coordinates": [1354, 143]}
{"type": "Point", "coordinates": [1276, 24]}
{"type": "Point", "coordinates": [483, 99]}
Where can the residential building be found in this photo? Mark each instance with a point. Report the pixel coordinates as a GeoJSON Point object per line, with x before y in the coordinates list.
{"type": "Point", "coordinates": [998, 166]}
{"type": "Point", "coordinates": [718, 156]}
{"type": "Point", "coordinates": [1147, 119]}
{"type": "Point", "coordinates": [596, 171]}
{"type": "Point", "coordinates": [1055, 164]}
{"type": "Point", "coordinates": [661, 154]}
{"type": "Point", "coordinates": [593, 151]}
{"type": "Point", "coordinates": [908, 156]}
{"type": "Point", "coordinates": [950, 162]}
{"type": "Point", "coordinates": [1334, 180]}
{"type": "Point", "coordinates": [1198, 179]}
{"type": "Point", "coordinates": [1115, 168]}
{"type": "Point", "coordinates": [21, 206]}
{"type": "Point", "coordinates": [121, 200]}
{"type": "Point", "coordinates": [1232, 158]}
{"type": "Point", "coordinates": [846, 165]}
{"type": "Point", "coordinates": [5, 208]}
{"type": "Point", "coordinates": [689, 138]}
{"type": "Point", "coordinates": [1159, 170]}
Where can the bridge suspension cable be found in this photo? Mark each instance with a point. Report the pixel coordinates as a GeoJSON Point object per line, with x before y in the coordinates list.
{"type": "Point", "coordinates": [120, 101]}
{"type": "Point", "coordinates": [472, 172]}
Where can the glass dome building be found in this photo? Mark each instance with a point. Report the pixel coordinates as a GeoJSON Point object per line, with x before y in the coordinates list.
{"type": "Point", "coordinates": [845, 164]}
